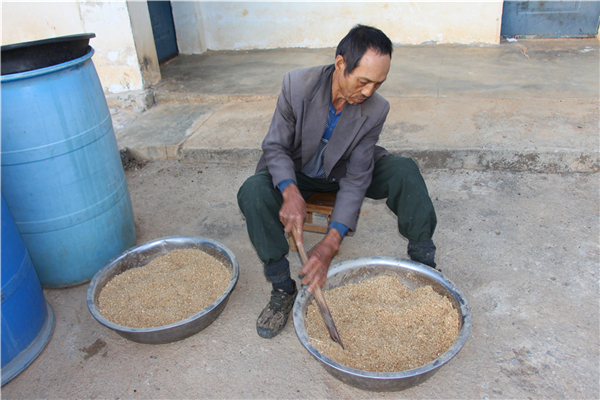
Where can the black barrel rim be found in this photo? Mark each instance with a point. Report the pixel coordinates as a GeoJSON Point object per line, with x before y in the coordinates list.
{"type": "Point", "coordinates": [38, 54]}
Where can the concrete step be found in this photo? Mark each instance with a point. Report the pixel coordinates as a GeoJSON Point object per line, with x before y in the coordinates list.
{"type": "Point", "coordinates": [522, 107]}
{"type": "Point", "coordinates": [503, 134]}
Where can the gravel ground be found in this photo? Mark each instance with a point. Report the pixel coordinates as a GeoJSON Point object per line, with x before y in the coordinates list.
{"type": "Point", "coordinates": [522, 247]}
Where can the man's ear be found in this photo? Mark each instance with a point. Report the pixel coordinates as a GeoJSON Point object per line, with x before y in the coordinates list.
{"type": "Point", "coordinates": [340, 64]}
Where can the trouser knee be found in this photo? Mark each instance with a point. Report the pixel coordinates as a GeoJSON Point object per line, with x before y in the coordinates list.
{"type": "Point", "coordinates": [405, 172]}
{"type": "Point", "coordinates": [400, 180]}
{"type": "Point", "coordinates": [253, 191]}
{"type": "Point", "coordinates": [260, 203]}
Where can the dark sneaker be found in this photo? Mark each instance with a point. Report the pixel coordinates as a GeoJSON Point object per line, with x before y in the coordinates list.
{"type": "Point", "coordinates": [423, 252]}
{"type": "Point", "coordinates": [273, 318]}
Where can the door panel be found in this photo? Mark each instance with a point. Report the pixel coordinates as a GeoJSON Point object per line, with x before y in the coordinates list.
{"type": "Point", "coordinates": [163, 29]}
{"type": "Point", "coordinates": [550, 19]}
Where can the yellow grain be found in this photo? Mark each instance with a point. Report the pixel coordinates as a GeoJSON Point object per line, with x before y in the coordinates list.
{"type": "Point", "coordinates": [170, 288]}
{"type": "Point", "coordinates": [385, 327]}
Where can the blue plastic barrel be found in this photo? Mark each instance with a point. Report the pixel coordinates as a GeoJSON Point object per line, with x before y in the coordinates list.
{"type": "Point", "coordinates": [62, 176]}
{"type": "Point", "coordinates": [27, 319]}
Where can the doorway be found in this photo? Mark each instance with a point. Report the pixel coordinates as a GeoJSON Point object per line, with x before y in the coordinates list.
{"type": "Point", "coordinates": [550, 19]}
{"type": "Point", "coordinates": [163, 29]}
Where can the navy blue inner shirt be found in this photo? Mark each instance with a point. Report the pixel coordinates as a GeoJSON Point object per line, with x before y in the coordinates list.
{"type": "Point", "coordinates": [315, 168]}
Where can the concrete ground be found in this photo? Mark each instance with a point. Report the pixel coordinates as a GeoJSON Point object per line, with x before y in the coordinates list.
{"type": "Point", "coordinates": [507, 138]}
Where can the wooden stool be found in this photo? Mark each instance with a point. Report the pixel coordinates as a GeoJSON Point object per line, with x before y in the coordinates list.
{"type": "Point", "coordinates": [320, 203]}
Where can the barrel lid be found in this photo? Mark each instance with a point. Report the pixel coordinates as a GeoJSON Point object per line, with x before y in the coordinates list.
{"type": "Point", "coordinates": [28, 56]}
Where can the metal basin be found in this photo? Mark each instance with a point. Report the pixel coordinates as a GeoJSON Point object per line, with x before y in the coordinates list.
{"type": "Point", "coordinates": [141, 255]}
{"type": "Point", "coordinates": [411, 274]}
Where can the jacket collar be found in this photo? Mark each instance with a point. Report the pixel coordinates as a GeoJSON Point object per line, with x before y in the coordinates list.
{"type": "Point", "coordinates": [343, 135]}
{"type": "Point", "coordinates": [316, 109]}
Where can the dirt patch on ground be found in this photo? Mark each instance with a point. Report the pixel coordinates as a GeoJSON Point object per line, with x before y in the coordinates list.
{"type": "Point", "coordinates": [129, 162]}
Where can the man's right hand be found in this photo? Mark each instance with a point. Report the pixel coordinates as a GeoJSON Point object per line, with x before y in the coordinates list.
{"type": "Point", "coordinates": [293, 210]}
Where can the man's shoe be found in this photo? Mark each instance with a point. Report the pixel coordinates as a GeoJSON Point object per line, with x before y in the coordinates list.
{"type": "Point", "coordinates": [423, 252]}
{"type": "Point", "coordinates": [273, 318]}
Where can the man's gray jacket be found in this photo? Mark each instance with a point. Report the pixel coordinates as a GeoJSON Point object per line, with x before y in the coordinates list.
{"type": "Point", "coordinates": [297, 128]}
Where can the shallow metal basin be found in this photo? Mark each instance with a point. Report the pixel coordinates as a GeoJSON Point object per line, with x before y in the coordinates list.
{"type": "Point", "coordinates": [411, 274]}
{"type": "Point", "coordinates": [141, 255]}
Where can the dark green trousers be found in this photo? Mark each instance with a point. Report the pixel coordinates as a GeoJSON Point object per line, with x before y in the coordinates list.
{"type": "Point", "coordinates": [396, 178]}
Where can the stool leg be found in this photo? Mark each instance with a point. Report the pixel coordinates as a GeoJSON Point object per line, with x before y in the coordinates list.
{"type": "Point", "coordinates": [309, 217]}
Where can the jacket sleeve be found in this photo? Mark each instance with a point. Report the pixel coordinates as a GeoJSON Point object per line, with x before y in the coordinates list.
{"type": "Point", "coordinates": [279, 143]}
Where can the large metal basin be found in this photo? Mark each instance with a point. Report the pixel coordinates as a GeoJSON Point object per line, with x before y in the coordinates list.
{"type": "Point", "coordinates": [142, 255]}
{"type": "Point", "coordinates": [411, 274]}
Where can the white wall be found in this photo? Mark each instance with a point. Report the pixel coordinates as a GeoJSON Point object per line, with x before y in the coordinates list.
{"type": "Point", "coordinates": [263, 25]}
{"type": "Point", "coordinates": [116, 59]}
{"type": "Point", "coordinates": [25, 21]}
{"type": "Point", "coordinates": [144, 41]}
{"type": "Point", "coordinates": [125, 56]}
{"type": "Point", "coordinates": [116, 53]}
{"type": "Point", "coordinates": [189, 26]}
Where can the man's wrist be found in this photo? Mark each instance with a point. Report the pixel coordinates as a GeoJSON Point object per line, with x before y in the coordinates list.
{"type": "Point", "coordinates": [283, 184]}
{"type": "Point", "coordinates": [338, 226]}
{"type": "Point", "coordinates": [333, 238]}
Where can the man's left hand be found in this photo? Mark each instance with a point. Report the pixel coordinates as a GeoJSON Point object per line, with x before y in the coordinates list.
{"type": "Point", "coordinates": [319, 259]}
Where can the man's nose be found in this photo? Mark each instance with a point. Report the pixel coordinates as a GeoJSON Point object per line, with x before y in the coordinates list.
{"type": "Point", "coordinates": [369, 89]}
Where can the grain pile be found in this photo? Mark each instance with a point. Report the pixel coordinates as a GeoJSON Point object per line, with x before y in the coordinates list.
{"type": "Point", "coordinates": [385, 327]}
{"type": "Point", "coordinates": [168, 289]}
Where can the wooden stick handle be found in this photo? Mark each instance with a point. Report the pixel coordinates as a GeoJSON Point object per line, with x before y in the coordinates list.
{"type": "Point", "coordinates": [317, 290]}
{"type": "Point", "coordinates": [325, 313]}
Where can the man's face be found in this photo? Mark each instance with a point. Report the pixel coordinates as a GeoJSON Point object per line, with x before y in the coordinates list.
{"type": "Point", "coordinates": [366, 78]}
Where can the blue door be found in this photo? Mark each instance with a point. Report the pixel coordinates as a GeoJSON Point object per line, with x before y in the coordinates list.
{"type": "Point", "coordinates": [550, 19]}
{"type": "Point", "coordinates": [163, 28]}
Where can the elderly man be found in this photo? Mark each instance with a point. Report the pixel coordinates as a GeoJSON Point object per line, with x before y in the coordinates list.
{"type": "Point", "coordinates": [323, 139]}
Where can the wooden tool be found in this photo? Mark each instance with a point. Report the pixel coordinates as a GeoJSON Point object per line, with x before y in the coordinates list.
{"type": "Point", "coordinates": [327, 318]}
